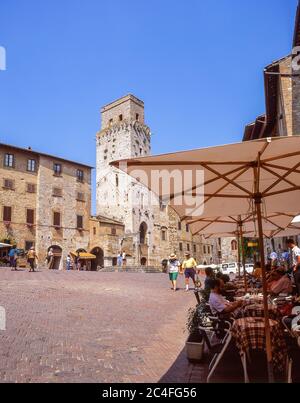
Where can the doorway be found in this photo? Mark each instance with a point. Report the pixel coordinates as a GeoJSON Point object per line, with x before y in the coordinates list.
{"type": "Point", "coordinates": [99, 261]}
{"type": "Point", "coordinates": [54, 256]}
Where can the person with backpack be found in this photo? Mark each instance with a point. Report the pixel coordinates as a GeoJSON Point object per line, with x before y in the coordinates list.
{"type": "Point", "coordinates": [31, 258]}
{"type": "Point", "coordinates": [13, 257]}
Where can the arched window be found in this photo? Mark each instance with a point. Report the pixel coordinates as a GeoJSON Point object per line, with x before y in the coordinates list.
{"type": "Point", "coordinates": [143, 233]}
{"type": "Point", "coordinates": [234, 245]}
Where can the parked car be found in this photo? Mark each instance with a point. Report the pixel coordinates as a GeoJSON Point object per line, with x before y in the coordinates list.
{"type": "Point", "coordinates": [233, 268]}
{"type": "Point", "coordinates": [249, 268]}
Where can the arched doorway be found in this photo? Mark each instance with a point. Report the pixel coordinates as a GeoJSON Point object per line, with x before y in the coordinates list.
{"type": "Point", "coordinates": [143, 233]}
{"type": "Point", "coordinates": [99, 261]}
{"type": "Point", "coordinates": [54, 255]}
{"type": "Point", "coordinates": [143, 261]}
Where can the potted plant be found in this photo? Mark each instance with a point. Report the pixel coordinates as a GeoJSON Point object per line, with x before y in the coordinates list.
{"type": "Point", "coordinates": [195, 341]}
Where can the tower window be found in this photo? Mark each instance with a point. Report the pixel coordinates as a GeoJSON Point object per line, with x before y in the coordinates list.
{"type": "Point", "coordinates": [111, 121]}
{"type": "Point", "coordinates": [179, 226]}
{"type": "Point", "coordinates": [180, 246]}
{"type": "Point", "coordinates": [56, 219]}
{"type": "Point", "coordinates": [120, 118]}
{"type": "Point", "coordinates": [117, 180]}
{"type": "Point", "coordinates": [137, 117]}
{"type": "Point", "coordinates": [79, 222]}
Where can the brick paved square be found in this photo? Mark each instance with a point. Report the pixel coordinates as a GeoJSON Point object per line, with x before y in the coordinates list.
{"type": "Point", "coordinates": [92, 327]}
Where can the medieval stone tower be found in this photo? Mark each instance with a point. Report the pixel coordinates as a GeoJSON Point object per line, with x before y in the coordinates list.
{"type": "Point", "coordinates": [124, 135]}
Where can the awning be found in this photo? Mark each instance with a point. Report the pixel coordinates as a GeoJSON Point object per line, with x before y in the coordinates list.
{"type": "Point", "coordinates": [5, 245]}
{"type": "Point", "coordinates": [84, 256]}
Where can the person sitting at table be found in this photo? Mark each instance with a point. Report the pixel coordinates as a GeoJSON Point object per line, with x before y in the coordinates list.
{"type": "Point", "coordinates": [280, 283]}
{"type": "Point", "coordinates": [257, 271]}
{"type": "Point", "coordinates": [218, 304]}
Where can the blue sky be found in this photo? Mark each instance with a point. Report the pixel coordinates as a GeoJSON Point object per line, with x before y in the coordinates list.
{"type": "Point", "coordinates": [197, 65]}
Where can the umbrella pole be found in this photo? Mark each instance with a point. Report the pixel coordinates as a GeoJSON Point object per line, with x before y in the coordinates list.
{"type": "Point", "coordinates": [239, 253]}
{"type": "Point", "coordinates": [243, 256]}
{"type": "Point", "coordinates": [258, 202]}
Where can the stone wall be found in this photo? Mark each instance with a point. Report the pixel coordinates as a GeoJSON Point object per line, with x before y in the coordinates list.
{"type": "Point", "coordinates": [19, 198]}
{"type": "Point", "coordinates": [67, 237]}
{"type": "Point", "coordinates": [43, 201]}
{"type": "Point", "coordinates": [285, 104]}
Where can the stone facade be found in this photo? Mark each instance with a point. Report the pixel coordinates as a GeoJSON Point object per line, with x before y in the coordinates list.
{"type": "Point", "coordinates": [151, 229]}
{"type": "Point", "coordinates": [106, 238]}
{"type": "Point", "coordinates": [30, 184]}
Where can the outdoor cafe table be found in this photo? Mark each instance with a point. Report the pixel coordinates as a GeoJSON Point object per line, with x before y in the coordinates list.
{"type": "Point", "coordinates": [249, 334]}
{"type": "Point", "coordinates": [256, 310]}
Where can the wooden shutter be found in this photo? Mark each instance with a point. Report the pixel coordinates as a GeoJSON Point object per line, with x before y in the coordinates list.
{"type": "Point", "coordinates": [79, 221]}
{"type": "Point", "coordinates": [56, 219]}
{"type": "Point", "coordinates": [7, 213]}
{"type": "Point", "coordinates": [30, 216]}
{"type": "Point", "coordinates": [30, 188]}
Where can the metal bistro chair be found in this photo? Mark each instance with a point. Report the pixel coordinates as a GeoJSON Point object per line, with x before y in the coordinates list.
{"type": "Point", "coordinates": [220, 329]}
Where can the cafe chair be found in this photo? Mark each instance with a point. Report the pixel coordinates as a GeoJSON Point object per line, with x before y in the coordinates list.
{"type": "Point", "coordinates": [222, 331]}
{"type": "Point", "coordinates": [288, 371]}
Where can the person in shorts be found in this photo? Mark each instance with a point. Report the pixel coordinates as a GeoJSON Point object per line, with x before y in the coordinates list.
{"type": "Point", "coordinates": [173, 270]}
{"type": "Point", "coordinates": [189, 266]}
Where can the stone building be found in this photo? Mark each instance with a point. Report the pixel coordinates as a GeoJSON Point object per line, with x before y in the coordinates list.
{"type": "Point", "coordinates": [45, 202]}
{"type": "Point", "coordinates": [152, 230]}
{"type": "Point", "coordinates": [282, 117]}
{"type": "Point", "coordinates": [106, 238]}
{"type": "Point", "coordinates": [282, 91]}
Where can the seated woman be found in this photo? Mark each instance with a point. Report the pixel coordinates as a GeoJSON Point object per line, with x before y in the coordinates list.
{"type": "Point", "coordinates": [218, 304]}
{"type": "Point", "coordinates": [280, 283]}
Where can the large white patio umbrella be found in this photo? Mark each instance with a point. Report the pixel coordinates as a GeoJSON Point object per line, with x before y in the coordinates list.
{"type": "Point", "coordinates": [260, 176]}
{"type": "Point", "coordinates": [240, 227]}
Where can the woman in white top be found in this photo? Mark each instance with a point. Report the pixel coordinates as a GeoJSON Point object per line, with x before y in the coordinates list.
{"type": "Point", "coordinates": [173, 269]}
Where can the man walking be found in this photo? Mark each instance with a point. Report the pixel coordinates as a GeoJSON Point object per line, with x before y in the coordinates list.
{"type": "Point", "coordinates": [295, 262]}
{"type": "Point", "coordinates": [189, 266]}
{"type": "Point", "coordinates": [13, 257]}
{"type": "Point", "coordinates": [31, 258]}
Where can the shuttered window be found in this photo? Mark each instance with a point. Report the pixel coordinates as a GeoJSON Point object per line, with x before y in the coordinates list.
{"type": "Point", "coordinates": [80, 175]}
{"type": "Point", "coordinates": [7, 213]}
{"type": "Point", "coordinates": [30, 216]}
{"type": "Point", "coordinates": [79, 221]}
{"type": "Point", "coordinates": [80, 197]}
{"type": "Point", "coordinates": [31, 165]}
{"type": "Point", "coordinates": [57, 168]}
{"type": "Point", "coordinates": [8, 184]}
{"type": "Point", "coordinates": [57, 192]}
{"type": "Point", "coordinates": [56, 219]}
{"type": "Point", "coordinates": [9, 160]}
{"type": "Point", "coordinates": [31, 188]}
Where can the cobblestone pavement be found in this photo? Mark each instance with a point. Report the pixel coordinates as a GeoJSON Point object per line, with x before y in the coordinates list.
{"type": "Point", "coordinates": [92, 327]}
